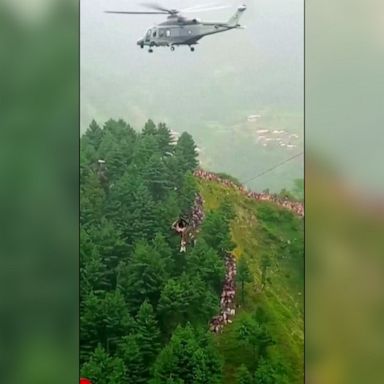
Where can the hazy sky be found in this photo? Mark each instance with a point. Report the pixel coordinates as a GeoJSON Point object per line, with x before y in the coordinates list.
{"type": "Point", "coordinates": [257, 70]}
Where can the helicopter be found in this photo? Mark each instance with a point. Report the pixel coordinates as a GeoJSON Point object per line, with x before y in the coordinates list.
{"type": "Point", "coordinates": [180, 30]}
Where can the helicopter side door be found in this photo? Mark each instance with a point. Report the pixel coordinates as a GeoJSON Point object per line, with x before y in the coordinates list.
{"type": "Point", "coordinates": [154, 34]}
{"type": "Point", "coordinates": [148, 36]}
{"type": "Point", "coordinates": [162, 35]}
{"type": "Point", "coordinates": [165, 35]}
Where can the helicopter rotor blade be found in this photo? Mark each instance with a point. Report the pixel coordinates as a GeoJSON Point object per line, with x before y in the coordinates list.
{"type": "Point", "coordinates": [160, 10]}
{"type": "Point", "coordinates": [159, 7]}
{"type": "Point", "coordinates": [137, 13]}
{"type": "Point", "coordinates": [205, 7]}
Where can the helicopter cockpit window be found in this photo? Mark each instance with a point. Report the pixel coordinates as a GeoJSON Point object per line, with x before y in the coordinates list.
{"type": "Point", "coordinates": [154, 33]}
{"type": "Point", "coordinates": [148, 35]}
{"type": "Point", "coordinates": [161, 32]}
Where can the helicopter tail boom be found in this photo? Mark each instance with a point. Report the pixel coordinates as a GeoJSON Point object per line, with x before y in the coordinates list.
{"type": "Point", "coordinates": [234, 20]}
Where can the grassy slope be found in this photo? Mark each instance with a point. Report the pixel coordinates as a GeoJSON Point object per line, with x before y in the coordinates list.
{"type": "Point", "coordinates": [261, 227]}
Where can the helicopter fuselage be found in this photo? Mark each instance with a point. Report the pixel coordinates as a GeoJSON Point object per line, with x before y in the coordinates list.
{"type": "Point", "coordinates": [185, 32]}
{"type": "Point", "coordinates": [179, 30]}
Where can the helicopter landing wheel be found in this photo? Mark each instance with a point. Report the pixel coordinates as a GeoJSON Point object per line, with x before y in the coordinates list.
{"type": "Point", "coordinates": [141, 46]}
{"type": "Point", "coordinates": [150, 50]}
{"type": "Point", "coordinates": [172, 48]}
{"type": "Point", "coordinates": [192, 49]}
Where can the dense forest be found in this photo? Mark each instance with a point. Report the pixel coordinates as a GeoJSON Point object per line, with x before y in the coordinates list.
{"type": "Point", "coordinates": [145, 307]}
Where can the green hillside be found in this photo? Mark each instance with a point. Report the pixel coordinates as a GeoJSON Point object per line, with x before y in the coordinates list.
{"type": "Point", "coordinates": [265, 234]}
{"type": "Point", "coordinates": [149, 297]}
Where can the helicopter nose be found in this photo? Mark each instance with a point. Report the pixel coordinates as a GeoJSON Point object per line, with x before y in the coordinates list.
{"type": "Point", "coordinates": [140, 42]}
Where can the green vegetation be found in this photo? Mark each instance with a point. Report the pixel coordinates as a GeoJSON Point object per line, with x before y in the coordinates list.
{"type": "Point", "coordinates": [225, 176]}
{"type": "Point", "coordinates": [144, 306]}
{"type": "Point", "coordinates": [297, 193]}
{"type": "Point", "coordinates": [266, 338]}
{"type": "Point", "coordinates": [243, 275]}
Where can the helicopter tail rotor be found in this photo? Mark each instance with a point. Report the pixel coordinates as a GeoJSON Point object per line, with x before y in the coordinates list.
{"type": "Point", "coordinates": [234, 20]}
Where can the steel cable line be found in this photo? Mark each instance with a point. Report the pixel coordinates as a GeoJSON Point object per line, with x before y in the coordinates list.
{"type": "Point", "coordinates": [272, 168]}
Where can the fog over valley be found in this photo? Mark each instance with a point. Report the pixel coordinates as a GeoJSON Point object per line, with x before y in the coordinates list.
{"type": "Point", "coordinates": [240, 94]}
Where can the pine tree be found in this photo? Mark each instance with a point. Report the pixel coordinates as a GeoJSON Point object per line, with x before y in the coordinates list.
{"type": "Point", "coordinates": [176, 172]}
{"type": "Point", "coordinates": [215, 231]}
{"type": "Point", "coordinates": [265, 264]}
{"type": "Point", "coordinates": [204, 261]}
{"type": "Point", "coordinates": [148, 333]}
{"type": "Point", "coordinates": [243, 376]}
{"type": "Point", "coordinates": [149, 128]}
{"type": "Point", "coordinates": [164, 139]}
{"type": "Point", "coordinates": [187, 193]}
{"type": "Point", "coordinates": [227, 210]}
{"type": "Point", "coordinates": [142, 218]}
{"type": "Point", "coordinates": [145, 147]}
{"type": "Point", "coordinates": [132, 209]}
{"type": "Point", "coordinates": [186, 298]}
{"type": "Point", "coordinates": [271, 372]}
{"type": "Point", "coordinates": [162, 248]}
{"type": "Point", "coordinates": [103, 369]}
{"type": "Point", "coordinates": [243, 274]}
{"type": "Point", "coordinates": [93, 271]}
{"type": "Point", "coordinates": [143, 277]}
{"type": "Point", "coordinates": [166, 213]}
{"type": "Point", "coordinates": [203, 302]}
{"type": "Point", "coordinates": [92, 199]}
{"type": "Point", "coordinates": [200, 371]}
{"type": "Point", "coordinates": [110, 245]}
{"type": "Point", "coordinates": [155, 177]}
{"type": "Point", "coordinates": [119, 129]}
{"type": "Point", "coordinates": [129, 352]}
{"type": "Point", "coordinates": [185, 152]}
{"type": "Point", "coordinates": [213, 360]}
{"type": "Point", "coordinates": [255, 336]}
{"type": "Point", "coordinates": [84, 162]}
{"type": "Point", "coordinates": [116, 159]}
{"type": "Point", "coordinates": [104, 319]}
{"type": "Point", "coordinates": [94, 135]}
{"type": "Point", "coordinates": [186, 359]}
{"type": "Point", "coordinates": [173, 304]}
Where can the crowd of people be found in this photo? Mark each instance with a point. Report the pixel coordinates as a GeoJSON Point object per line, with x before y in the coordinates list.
{"type": "Point", "coordinates": [227, 300]}
{"type": "Point", "coordinates": [197, 215]}
{"type": "Point", "coordinates": [295, 206]}
{"type": "Point", "coordinates": [187, 229]}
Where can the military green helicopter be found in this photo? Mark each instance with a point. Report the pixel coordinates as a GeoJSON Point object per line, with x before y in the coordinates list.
{"type": "Point", "coordinates": [179, 30]}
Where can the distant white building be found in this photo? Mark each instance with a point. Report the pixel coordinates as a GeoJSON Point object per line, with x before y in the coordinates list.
{"type": "Point", "coordinates": [253, 118]}
{"type": "Point", "coordinates": [174, 137]}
